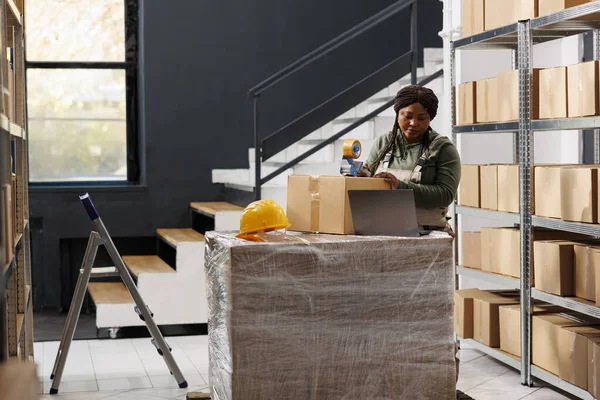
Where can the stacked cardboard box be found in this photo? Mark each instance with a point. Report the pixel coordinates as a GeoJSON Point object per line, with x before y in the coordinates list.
{"type": "Point", "coordinates": [471, 246]}
{"type": "Point", "coordinates": [320, 204]}
{"type": "Point", "coordinates": [467, 103]}
{"type": "Point", "coordinates": [547, 7]}
{"type": "Point", "coordinates": [277, 311]}
{"type": "Point", "coordinates": [476, 314]}
{"type": "Point", "coordinates": [469, 190]}
{"type": "Point", "coordinates": [500, 248]}
{"type": "Point", "coordinates": [481, 185]}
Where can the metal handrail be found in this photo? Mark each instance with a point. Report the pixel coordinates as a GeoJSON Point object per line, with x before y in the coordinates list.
{"type": "Point", "coordinates": [331, 45]}
{"type": "Point", "coordinates": [320, 52]}
{"type": "Point", "coordinates": [343, 132]}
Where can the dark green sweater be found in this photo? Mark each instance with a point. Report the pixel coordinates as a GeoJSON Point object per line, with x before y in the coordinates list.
{"type": "Point", "coordinates": [440, 177]}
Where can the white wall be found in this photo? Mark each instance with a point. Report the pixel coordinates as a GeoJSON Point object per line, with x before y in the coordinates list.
{"type": "Point", "coordinates": [549, 147]}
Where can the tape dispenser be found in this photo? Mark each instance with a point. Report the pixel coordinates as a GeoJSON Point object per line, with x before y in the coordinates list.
{"type": "Point", "coordinates": [350, 165]}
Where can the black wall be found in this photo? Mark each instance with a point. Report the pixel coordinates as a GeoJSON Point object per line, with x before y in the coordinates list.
{"type": "Point", "coordinates": [198, 60]}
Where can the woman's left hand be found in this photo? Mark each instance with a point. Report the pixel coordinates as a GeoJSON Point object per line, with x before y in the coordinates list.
{"type": "Point", "coordinates": [389, 178]}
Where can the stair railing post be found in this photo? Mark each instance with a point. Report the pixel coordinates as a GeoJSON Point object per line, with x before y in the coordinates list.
{"type": "Point", "coordinates": [257, 152]}
{"type": "Point", "coordinates": [413, 43]}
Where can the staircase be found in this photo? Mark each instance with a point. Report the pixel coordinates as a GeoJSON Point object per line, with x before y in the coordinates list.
{"type": "Point", "coordinates": [171, 282]}
{"type": "Point", "coordinates": [327, 160]}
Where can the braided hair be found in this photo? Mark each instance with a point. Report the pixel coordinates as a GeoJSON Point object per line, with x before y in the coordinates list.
{"type": "Point", "coordinates": [405, 97]}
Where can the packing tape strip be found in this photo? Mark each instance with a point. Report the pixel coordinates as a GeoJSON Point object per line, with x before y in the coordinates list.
{"type": "Point", "coordinates": [315, 202]}
{"type": "Point", "coordinates": [351, 149]}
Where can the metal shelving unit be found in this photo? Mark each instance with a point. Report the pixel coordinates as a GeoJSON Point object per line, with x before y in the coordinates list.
{"type": "Point", "coordinates": [16, 317]}
{"type": "Point", "coordinates": [520, 37]}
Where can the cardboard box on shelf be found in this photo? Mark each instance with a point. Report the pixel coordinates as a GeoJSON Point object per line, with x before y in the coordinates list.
{"type": "Point", "coordinates": [579, 194]}
{"type": "Point", "coordinates": [482, 104]}
{"type": "Point", "coordinates": [500, 249]}
{"type": "Point", "coordinates": [554, 267]}
{"type": "Point", "coordinates": [586, 260]}
{"type": "Point", "coordinates": [508, 188]}
{"type": "Point", "coordinates": [526, 9]}
{"type": "Point", "coordinates": [499, 13]}
{"type": "Point", "coordinates": [553, 93]}
{"type": "Point", "coordinates": [486, 318]}
{"type": "Point", "coordinates": [508, 81]}
{"type": "Point", "coordinates": [547, 183]}
{"type": "Point", "coordinates": [510, 329]}
{"type": "Point", "coordinates": [466, 103]}
{"type": "Point", "coordinates": [547, 7]}
{"type": "Point", "coordinates": [469, 186]}
{"type": "Point", "coordinates": [464, 311]}
{"type": "Point", "coordinates": [473, 17]}
{"type": "Point", "coordinates": [593, 366]}
{"type": "Point", "coordinates": [320, 204]}
{"type": "Point", "coordinates": [493, 100]}
{"type": "Point", "coordinates": [471, 247]}
{"type": "Point", "coordinates": [560, 346]}
{"type": "Point", "coordinates": [489, 186]}
{"type": "Point", "coordinates": [583, 91]}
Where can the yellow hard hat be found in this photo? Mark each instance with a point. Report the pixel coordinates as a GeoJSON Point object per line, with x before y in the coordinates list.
{"type": "Point", "coordinates": [262, 216]}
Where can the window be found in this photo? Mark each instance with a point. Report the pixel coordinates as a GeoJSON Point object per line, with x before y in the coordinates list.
{"type": "Point", "coordinates": [81, 60]}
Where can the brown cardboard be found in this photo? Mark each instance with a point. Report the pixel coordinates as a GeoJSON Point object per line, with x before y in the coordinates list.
{"type": "Point", "coordinates": [489, 186]}
{"type": "Point", "coordinates": [10, 96]}
{"type": "Point", "coordinates": [469, 186]}
{"type": "Point", "coordinates": [579, 194]}
{"type": "Point", "coordinates": [585, 271]}
{"type": "Point", "coordinates": [463, 310]}
{"type": "Point", "coordinates": [547, 7]}
{"type": "Point", "coordinates": [18, 380]}
{"type": "Point", "coordinates": [482, 103]}
{"type": "Point", "coordinates": [320, 204]}
{"type": "Point", "coordinates": [500, 249]}
{"type": "Point", "coordinates": [499, 13]}
{"type": "Point", "coordinates": [510, 325]}
{"type": "Point", "coordinates": [508, 81]}
{"type": "Point", "coordinates": [595, 261]}
{"type": "Point", "coordinates": [526, 9]}
{"type": "Point", "coordinates": [466, 103]}
{"type": "Point", "coordinates": [493, 100]}
{"type": "Point", "coordinates": [582, 83]}
{"type": "Point", "coordinates": [560, 346]}
{"type": "Point", "coordinates": [486, 319]}
{"type": "Point", "coordinates": [554, 267]}
{"type": "Point", "coordinates": [472, 17]}
{"type": "Point", "coordinates": [547, 183]}
{"type": "Point", "coordinates": [593, 366]}
{"type": "Point", "coordinates": [508, 188]}
{"type": "Point", "coordinates": [553, 93]}
{"type": "Point", "coordinates": [471, 246]}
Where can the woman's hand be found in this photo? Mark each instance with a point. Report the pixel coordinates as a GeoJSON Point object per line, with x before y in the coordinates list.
{"type": "Point", "coordinates": [364, 172]}
{"type": "Point", "coordinates": [389, 178]}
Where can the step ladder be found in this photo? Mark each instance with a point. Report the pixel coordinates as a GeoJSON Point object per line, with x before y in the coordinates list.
{"type": "Point", "coordinates": [98, 238]}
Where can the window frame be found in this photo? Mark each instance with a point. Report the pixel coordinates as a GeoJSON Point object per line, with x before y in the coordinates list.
{"type": "Point", "coordinates": [130, 66]}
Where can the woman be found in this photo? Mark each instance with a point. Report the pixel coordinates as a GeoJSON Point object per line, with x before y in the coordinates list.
{"type": "Point", "coordinates": [414, 156]}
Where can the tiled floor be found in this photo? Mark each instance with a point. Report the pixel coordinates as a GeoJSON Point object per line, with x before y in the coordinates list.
{"type": "Point", "coordinates": [131, 369]}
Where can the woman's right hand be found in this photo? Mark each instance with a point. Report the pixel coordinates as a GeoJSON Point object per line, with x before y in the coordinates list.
{"type": "Point", "coordinates": [364, 172]}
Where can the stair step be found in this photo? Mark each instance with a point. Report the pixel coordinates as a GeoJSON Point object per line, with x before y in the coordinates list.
{"type": "Point", "coordinates": [211, 208]}
{"type": "Point", "coordinates": [147, 264]}
{"type": "Point", "coordinates": [109, 293]}
{"type": "Point", "coordinates": [174, 236]}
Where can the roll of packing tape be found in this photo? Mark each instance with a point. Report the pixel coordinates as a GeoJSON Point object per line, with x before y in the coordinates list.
{"type": "Point", "coordinates": [351, 148]}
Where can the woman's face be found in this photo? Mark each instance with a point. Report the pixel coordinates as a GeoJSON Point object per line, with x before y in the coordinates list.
{"type": "Point", "coordinates": [414, 121]}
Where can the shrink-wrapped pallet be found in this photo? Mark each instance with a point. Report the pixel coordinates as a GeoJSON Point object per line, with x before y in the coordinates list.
{"type": "Point", "coordinates": [330, 317]}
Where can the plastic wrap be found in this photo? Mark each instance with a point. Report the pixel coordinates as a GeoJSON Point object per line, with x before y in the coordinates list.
{"type": "Point", "coordinates": [331, 317]}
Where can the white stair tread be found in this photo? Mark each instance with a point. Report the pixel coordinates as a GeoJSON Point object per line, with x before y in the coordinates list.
{"type": "Point", "coordinates": [174, 236]}
{"type": "Point", "coordinates": [109, 293]}
{"type": "Point", "coordinates": [147, 264]}
{"type": "Point", "coordinates": [213, 207]}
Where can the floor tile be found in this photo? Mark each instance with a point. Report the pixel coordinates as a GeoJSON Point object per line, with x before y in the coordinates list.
{"type": "Point", "coordinates": [70, 387]}
{"type": "Point", "coordinates": [81, 395]}
{"type": "Point", "coordinates": [468, 355]}
{"type": "Point", "coordinates": [124, 383]}
{"type": "Point", "coordinates": [510, 379]}
{"type": "Point", "coordinates": [168, 381]}
{"type": "Point", "coordinates": [121, 373]}
{"type": "Point", "coordinates": [484, 394]}
{"type": "Point", "coordinates": [110, 346]}
{"type": "Point", "coordinates": [546, 394]}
